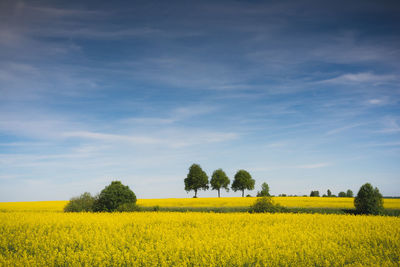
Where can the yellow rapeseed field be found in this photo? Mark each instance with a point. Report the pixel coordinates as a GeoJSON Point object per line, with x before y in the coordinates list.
{"type": "Point", "coordinates": [197, 239]}
{"type": "Point", "coordinates": [301, 202]}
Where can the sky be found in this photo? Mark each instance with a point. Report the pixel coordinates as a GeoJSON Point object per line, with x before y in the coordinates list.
{"type": "Point", "coordinates": [304, 95]}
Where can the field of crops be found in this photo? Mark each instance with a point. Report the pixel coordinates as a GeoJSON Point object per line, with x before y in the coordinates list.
{"type": "Point", "coordinates": [199, 239]}
{"type": "Point", "coordinates": [299, 202]}
{"type": "Point", "coordinates": [38, 234]}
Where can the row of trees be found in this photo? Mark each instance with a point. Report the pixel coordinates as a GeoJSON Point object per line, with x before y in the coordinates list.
{"type": "Point", "coordinates": [118, 197]}
{"type": "Point", "coordinates": [349, 193]}
{"type": "Point", "coordinates": [197, 180]}
{"type": "Point", "coordinates": [368, 201]}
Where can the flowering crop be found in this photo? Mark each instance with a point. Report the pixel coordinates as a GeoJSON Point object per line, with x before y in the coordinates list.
{"type": "Point", "coordinates": [197, 239]}
{"type": "Point", "coordinates": [300, 202]}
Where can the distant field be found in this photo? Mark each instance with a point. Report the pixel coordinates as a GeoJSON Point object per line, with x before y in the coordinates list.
{"type": "Point", "coordinates": [292, 202]}
{"type": "Point", "coordinates": [298, 202]}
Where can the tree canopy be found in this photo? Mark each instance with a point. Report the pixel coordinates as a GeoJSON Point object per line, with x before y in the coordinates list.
{"type": "Point", "coordinates": [196, 179]}
{"type": "Point", "coordinates": [243, 181]}
{"type": "Point", "coordinates": [219, 180]}
{"type": "Point", "coordinates": [82, 203]}
{"type": "Point", "coordinates": [329, 193]}
{"type": "Point", "coordinates": [314, 193]}
{"type": "Point", "coordinates": [349, 193]}
{"type": "Point", "coordinates": [264, 191]}
{"type": "Point", "coordinates": [368, 200]}
{"type": "Point", "coordinates": [113, 196]}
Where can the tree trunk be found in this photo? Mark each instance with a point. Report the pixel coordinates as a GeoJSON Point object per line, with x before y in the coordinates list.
{"type": "Point", "coordinates": [218, 193]}
{"type": "Point", "coordinates": [195, 193]}
{"type": "Point", "coordinates": [242, 193]}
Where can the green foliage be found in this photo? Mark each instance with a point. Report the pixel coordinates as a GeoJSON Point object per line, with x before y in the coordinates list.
{"type": "Point", "coordinates": [349, 193]}
{"type": "Point", "coordinates": [265, 204]}
{"type": "Point", "coordinates": [264, 191]}
{"type": "Point", "coordinates": [128, 207]}
{"type": "Point", "coordinates": [196, 179]}
{"type": "Point", "coordinates": [219, 180]}
{"type": "Point", "coordinates": [314, 194]}
{"type": "Point", "coordinates": [342, 194]}
{"type": "Point", "coordinates": [329, 193]}
{"type": "Point", "coordinates": [242, 181]}
{"type": "Point", "coordinates": [368, 200]}
{"type": "Point", "coordinates": [82, 203]}
{"type": "Point", "coordinates": [113, 196]}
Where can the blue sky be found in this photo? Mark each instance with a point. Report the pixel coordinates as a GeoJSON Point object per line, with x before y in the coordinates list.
{"type": "Point", "coordinates": [303, 94]}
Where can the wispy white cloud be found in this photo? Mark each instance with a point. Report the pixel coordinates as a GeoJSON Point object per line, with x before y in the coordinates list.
{"type": "Point", "coordinates": [344, 128]}
{"type": "Point", "coordinates": [390, 125]}
{"type": "Point", "coordinates": [363, 77]}
{"type": "Point", "coordinates": [376, 101]}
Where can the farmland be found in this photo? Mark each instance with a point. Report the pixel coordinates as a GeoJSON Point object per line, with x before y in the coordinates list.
{"type": "Point", "coordinates": [292, 202]}
{"type": "Point", "coordinates": [39, 234]}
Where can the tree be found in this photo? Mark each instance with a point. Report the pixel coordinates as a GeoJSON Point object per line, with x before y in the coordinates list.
{"type": "Point", "coordinates": [264, 191]}
{"type": "Point", "coordinates": [349, 193]}
{"type": "Point", "coordinates": [329, 193]}
{"type": "Point", "coordinates": [314, 194]}
{"type": "Point", "coordinates": [368, 200]}
{"type": "Point", "coordinates": [113, 196]}
{"type": "Point", "coordinates": [242, 181]}
{"type": "Point", "coordinates": [342, 194]}
{"type": "Point", "coordinates": [82, 203]}
{"type": "Point", "coordinates": [219, 180]}
{"type": "Point", "coordinates": [265, 204]}
{"type": "Point", "coordinates": [196, 179]}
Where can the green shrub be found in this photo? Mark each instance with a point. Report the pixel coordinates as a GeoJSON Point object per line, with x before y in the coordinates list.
{"type": "Point", "coordinates": [82, 203]}
{"type": "Point", "coordinates": [265, 204]}
{"type": "Point", "coordinates": [113, 196]}
{"type": "Point", "coordinates": [368, 200]}
{"type": "Point", "coordinates": [128, 207]}
{"type": "Point", "coordinates": [314, 194]}
{"type": "Point", "coordinates": [264, 191]}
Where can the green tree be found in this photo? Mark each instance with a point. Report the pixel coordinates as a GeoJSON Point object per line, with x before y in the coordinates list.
{"type": "Point", "coordinates": [265, 204]}
{"type": "Point", "coordinates": [349, 193]}
{"type": "Point", "coordinates": [82, 203]}
{"type": "Point", "coordinates": [196, 179]}
{"type": "Point", "coordinates": [219, 180]}
{"type": "Point", "coordinates": [242, 181]}
{"type": "Point", "coordinates": [264, 191]}
{"type": "Point", "coordinates": [314, 194]}
{"type": "Point", "coordinates": [113, 196]}
{"type": "Point", "coordinates": [329, 193]}
{"type": "Point", "coordinates": [342, 194]}
{"type": "Point", "coordinates": [368, 200]}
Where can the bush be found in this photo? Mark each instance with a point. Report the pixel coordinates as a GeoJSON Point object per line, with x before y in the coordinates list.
{"type": "Point", "coordinates": [128, 207]}
{"type": "Point", "coordinates": [264, 191]}
{"type": "Point", "coordinates": [368, 200]}
{"type": "Point", "coordinates": [82, 203]}
{"type": "Point", "coordinates": [342, 194]}
{"type": "Point", "coordinates": [113, 196]}
{"type": "Point", "coordinates": [349, 193]}
{"type": "Point", "coordinates": [265, 204]}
